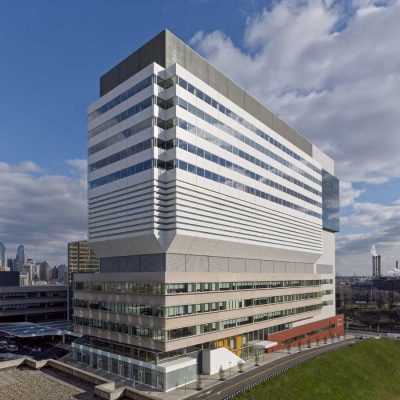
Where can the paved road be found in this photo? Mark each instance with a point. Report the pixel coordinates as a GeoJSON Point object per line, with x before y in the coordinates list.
{"type": "Point", "coordinates": [358, 332]}
{"type": "Point", "coordinates": [252, 377]}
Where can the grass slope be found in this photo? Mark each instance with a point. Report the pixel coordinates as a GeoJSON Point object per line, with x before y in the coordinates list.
{"type": "Point", "coordinates": [369, 370]}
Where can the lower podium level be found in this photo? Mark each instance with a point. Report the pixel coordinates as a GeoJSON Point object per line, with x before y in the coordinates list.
{"type": "Point", "coordinates": [167, 371]}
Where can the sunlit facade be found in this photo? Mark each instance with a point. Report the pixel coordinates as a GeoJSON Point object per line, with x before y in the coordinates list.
{"type": "Point", "coordinates": [214, 222]}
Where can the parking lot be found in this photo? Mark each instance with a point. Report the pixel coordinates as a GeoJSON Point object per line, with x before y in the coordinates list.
{"type": "Point", "coordinates": [38, 348]}
{"type": "Point", "coordinates": [37, 340]}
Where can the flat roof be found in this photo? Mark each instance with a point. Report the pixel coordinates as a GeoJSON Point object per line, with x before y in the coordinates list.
{"type": "Point", "coordinates": [33, 288]}
{"type": "Point", "coordinates": [264, 344]}
{"type": "Point", "coordinates": [30, 329]}
{"type": "Point", "coordinates": [49, 383]}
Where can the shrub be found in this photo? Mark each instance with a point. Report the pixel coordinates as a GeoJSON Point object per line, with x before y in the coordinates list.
{"type": "Point", "coordinates": [221, 373]}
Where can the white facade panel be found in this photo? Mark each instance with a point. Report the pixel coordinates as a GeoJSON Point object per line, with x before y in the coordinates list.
{"type": "Point", "coordinates": [250, 209]}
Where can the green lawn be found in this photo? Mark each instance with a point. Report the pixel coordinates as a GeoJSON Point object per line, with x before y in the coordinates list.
{"type": "Point", "coordinates": [369, 370]}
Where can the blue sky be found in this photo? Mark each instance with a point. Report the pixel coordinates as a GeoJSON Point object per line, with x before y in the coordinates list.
{"type": "Point", "coordinates": [329, 68]}
{"type": "Point", "coordinates": [53, 53]}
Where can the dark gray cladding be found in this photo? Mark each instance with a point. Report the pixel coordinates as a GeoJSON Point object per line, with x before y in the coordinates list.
{"type": "Point", "coordinates": [140, 263]}
{"type": "Point", "coordinates": [152, 51]}
{"type": "Point", "coordinates": [166, 49]}
{"type": "Point", "coordinates": [168, 262]}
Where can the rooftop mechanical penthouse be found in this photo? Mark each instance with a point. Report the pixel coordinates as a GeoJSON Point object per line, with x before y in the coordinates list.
{"type": "Point", "coordinates": [214, 222]}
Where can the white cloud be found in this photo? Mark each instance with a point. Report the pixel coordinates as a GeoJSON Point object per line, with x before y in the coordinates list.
{"type": "Point", "coordinates": [382, 224]}
{"type": "Point", "coordinates": [374, 215]}
{"type": "Point", "coordinates": [353, 250]}
{"type": "Point", "coordinates": [78, 165]}
{"type": "Point", "coordinates": [42, 211]}
{"type": "Point", "coordinates": [348, 194]}
{"type": "Point", "coordinates": [331, 70]}
{"type": "Point", "coordinates": [340, 89]}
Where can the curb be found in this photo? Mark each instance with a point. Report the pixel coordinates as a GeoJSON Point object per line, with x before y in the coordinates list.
{"type": "Point", "coordinates": [270, 377]}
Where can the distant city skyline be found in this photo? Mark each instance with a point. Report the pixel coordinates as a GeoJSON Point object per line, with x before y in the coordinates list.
{"type": "Point", "coordinates": [327, 84]}
{"type": "Point", "coordinates": [11, 252]}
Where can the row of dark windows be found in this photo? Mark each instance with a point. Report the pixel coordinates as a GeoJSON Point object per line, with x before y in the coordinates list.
{"type": "Point", "coordinates": [131, 111]}
{"type": "Point", "coordinates": [148, 164]}
{"type": "Point", "coordinates": [246, 156]}
{"type": "Point", "coordinates": [172, 334]}
{"type": "Point", "coordinates": [139, 147]}
{"type": "Point", "coordinates": [123, 173]}
{"type": "Point", "coordinates": [24, 295]}
{"type": "Point", "coordinates": [28, 306]}
{"type": "Point", "coordinates": [244, 188]}
{"type": "Point", "coordinates": [232, 132]}
{"type": "Point", "coordinates": [120, 155]}
{"type": "Point", "coordinates": [189, 309]}
{"type": "Point", "coordinates": [125, 134]}
{"type": "Point", "coordinates": [229, 113]}
{"type": "Point", "coordinates": [193, 287]}
{"type": "Point", "coordinates": [153, 100]}
{"type": "Point", "coordinates": [123, 97]}
{"type": "Point", "coordinates": [243, 171]}
{"type": "Point", "coordinates": [148, 81]}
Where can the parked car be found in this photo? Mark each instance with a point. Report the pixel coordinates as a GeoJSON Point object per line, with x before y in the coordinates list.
{"type": "Point", "coordinates": [12, 347]}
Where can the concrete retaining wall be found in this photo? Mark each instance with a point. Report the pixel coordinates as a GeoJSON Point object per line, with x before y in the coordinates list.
{"type": "Point", "coordinates": [12, 363]}
{"type": "Point", "coordinates": [131, 393]}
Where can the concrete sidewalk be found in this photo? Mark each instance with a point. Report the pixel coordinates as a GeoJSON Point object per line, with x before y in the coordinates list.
{"type": "Point", "coordinates": [209, 381]}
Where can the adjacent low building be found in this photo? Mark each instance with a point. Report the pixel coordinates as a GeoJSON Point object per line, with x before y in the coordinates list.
{"type": "Point", "coordinates": [33, 303]}
{"type": "Point", "coordinates": [81, 259]}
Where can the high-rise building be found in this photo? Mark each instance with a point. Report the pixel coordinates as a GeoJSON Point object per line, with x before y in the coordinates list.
{"type": "Point", "coordinates": [81, 258]}
{"type": "Point", "coordinates": [24, 279]}
{"type": "Point", "coordinates": [29, 269]}
{"type": "Point", "coordinates": [2, 255]}
{"type": "Point", "coordinates": [44, 271]}
{"type": "Point", "coordinates": [214, 222]}
{"type": "Point", "coordinates": [20, 258]}
{"type": "Point", "coordinates": [11, 264]}
{"type": "Point", "coordinates": [53, 274]}
{"type": "Point", "coordinates": [62, 273]}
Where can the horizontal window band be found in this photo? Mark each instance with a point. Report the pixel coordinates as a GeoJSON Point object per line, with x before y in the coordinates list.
{"type": "Point", "coordinates": [195, 130]}
{"type": "Point", "coordinates": [132, 91]}
{"type": "Point", "coordinates": [236, 185]}
{"type": "Point", "coordinates": [118, 137]}
{"type": "Point", "coordinates": [199, 152]}
{"type": "Point", "coordinates": [224, 110]}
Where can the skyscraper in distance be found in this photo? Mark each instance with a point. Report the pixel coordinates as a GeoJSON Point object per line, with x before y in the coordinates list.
{"type": "Point", "coordinates": [3, 254]}
{"type": "Point", "coordinates": [214, 222]}
{"type": "Point", "coordinates": [44, 271]}
{"type": "Point", "coordinates": [11, 264]}
{"type": "Point", "coordinates": [20, 258]}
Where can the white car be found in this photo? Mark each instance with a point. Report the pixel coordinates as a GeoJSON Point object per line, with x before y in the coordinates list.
{"type": "Point", "coordinates": [12, 347]}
